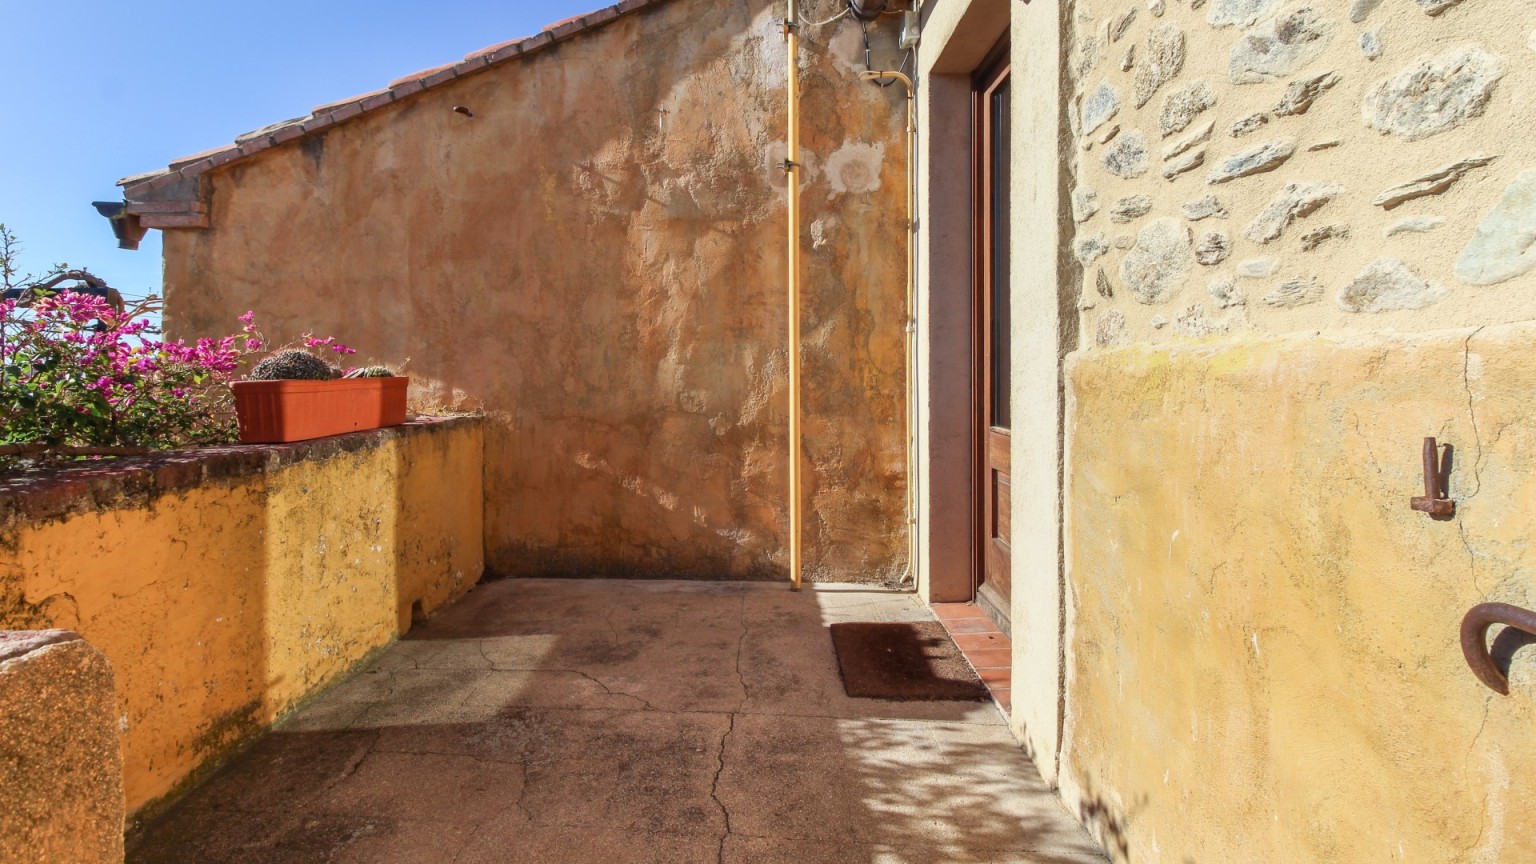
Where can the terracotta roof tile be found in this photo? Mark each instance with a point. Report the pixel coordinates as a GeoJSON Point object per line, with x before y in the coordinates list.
{"type": "Point", "coordinates": [145, 177]}
{"type": "Point", "coordinates": [266, 131]}
{"type": "Point", "coordinates": [377, 100]}
{"type": "Point", "coordinates": [417, 76]}
{"type": "Point", "coordinates": [332, 113]}
{"type": "Point", "coordinates": [329, 106]}
{"type": "Point", "coordinates": [442, 76]}
{"type": "Point", "coordinates": [288, 133]}
{"type": "Point", "coordinates": [198, 157]}
{"type": "Point", "coordinates": [345, 112]}
{"type": "Point", "coordinates": [498, 47]}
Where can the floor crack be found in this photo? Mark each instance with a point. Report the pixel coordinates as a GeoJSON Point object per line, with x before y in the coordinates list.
{"type": "Point", "coordinates": [609, 690]}
{"type": "Point", "coordinates": [355, 765]}
{"type": "Point", "coordinates": [741, 645]}
{"type": "Point", "coordinates": [522, 792]}
{"type": "Point", "coordinates": [613, 631]}
{"type": "Point", "coordinates": [714, 789]}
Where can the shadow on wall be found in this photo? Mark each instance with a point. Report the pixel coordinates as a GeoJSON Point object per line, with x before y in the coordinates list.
{"type": "Point", "coordinates": [634, 723]}
{"type": "Point", "coordinates": [1108, 823]}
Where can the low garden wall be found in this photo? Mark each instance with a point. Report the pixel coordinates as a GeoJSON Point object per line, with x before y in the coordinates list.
{"type": "Point", "coordinates": [226, 585]}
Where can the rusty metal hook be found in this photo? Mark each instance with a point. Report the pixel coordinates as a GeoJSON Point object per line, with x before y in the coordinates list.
{"type": "Point", "coordinates": [1474, 639]}
{"type": "Point", "coordinates": [1436, 475]}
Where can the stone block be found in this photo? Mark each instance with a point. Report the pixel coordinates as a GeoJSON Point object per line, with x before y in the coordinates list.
{"type": "Point", "coordinates": [61, 768]}
{"type": "Point", "coordinates": [1434, 93]}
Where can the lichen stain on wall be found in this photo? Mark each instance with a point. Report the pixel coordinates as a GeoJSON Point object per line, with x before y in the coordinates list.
{"type": "Point", "coordinates": [223, 605]}
{"type": "Point", "coordinates": [597, 257]}
{"type": "Point", "coordinates": [1264, 660]}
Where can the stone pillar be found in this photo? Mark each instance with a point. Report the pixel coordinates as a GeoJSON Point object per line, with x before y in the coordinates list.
{"type": "Point", "coordinates": [61, 769]}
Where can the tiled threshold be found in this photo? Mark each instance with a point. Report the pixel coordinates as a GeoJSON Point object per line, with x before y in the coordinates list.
{"type": "Point", "coordinates": [986, 648]}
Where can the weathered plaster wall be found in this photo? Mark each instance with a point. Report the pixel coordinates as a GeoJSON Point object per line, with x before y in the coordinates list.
{"type": "Point", "coordinates": [61, 770]}
{"type": "Point", "coordinates": [1262, 658]}
{"type": "Point", "coordinates": [226, 587]}
{"type": "Point", "coordinates": [597, 257]}
{"type": "Point", "coordinates": [1264, 662]}
{"type": "Point", "coordinates": [1351, 153]}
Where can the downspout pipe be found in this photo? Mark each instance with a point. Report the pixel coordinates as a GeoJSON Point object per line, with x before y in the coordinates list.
{"type": "Point", "coordinates": [793, 176]}
{"type": "Point", "coordinates": [911, 317]}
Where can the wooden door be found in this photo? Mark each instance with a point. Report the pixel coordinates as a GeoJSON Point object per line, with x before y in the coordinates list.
{"type": "Point", "coordinates": [992, 413]}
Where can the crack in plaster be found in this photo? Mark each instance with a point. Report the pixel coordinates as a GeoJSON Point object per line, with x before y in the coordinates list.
{"type": "Point", "coordinates": [1482, 822]}
{"type": "Point", "coordinates": [1365, 439]}
{"type": "Point", "coordinates": [1477, 461]}
{"type": "Point", "coordinates": [1466, 380]}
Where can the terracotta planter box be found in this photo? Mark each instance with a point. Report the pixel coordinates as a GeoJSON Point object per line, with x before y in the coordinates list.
{"type": "Point", "coordinates": [275, 412]}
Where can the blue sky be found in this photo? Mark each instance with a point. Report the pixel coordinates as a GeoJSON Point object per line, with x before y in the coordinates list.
{"type": "Point", "coordinates": [95, 90]}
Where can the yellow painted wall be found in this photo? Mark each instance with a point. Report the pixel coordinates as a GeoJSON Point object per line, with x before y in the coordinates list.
{"type": "Point", "coordinates": [1263, 661]}
{"type": "Point", "coordinates": [221, 606]}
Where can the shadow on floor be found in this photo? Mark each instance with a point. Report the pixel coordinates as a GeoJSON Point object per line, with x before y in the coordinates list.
{"type": "Point", "coordinates": [619, 723]}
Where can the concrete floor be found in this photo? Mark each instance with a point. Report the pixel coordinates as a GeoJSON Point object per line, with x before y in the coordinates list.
{"type": "Point", "coordinates": [620, 723]}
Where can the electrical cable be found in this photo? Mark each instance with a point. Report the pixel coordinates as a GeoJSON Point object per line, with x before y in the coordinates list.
{"type": "Point", "coordinates": [868, 64]}
{"type": "Point", "coordinates": [846, 10]}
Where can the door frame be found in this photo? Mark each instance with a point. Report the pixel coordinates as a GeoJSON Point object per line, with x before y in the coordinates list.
{"type": "Point", "coordinates": [992, 72]}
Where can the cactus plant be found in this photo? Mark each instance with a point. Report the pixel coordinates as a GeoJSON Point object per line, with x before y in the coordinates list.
{"type": "Point", "coordinates": [372, 372]}
{"type": "Point", "coordinates": [293, 366]}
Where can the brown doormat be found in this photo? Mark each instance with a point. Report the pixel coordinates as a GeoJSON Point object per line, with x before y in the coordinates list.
{"type": "Point", "coordinates": [904, 662]}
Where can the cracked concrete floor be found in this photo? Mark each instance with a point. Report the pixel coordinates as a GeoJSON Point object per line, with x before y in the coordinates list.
{"type": "Point", "coordinates": [620, 723]}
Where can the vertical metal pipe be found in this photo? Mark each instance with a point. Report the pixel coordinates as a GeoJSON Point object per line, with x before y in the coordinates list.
{"type": "Point", "coordinates": [910, 326]}
{"type": "Point", "coordinates": [792, 176]}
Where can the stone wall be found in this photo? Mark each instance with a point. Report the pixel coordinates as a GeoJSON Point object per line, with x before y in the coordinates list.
{"type": "Point", "coordinates": [61, 770]}
{"type": "Point", "coordinates": [226, 586]}
{"type": "Point", "coordinates": [1268, 166]}
{"type": "Point", "coordinates": [597, 258]}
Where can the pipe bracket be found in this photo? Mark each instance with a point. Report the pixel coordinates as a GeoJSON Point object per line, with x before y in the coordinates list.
{"type": "Point", "coordinates": [1437, 471]}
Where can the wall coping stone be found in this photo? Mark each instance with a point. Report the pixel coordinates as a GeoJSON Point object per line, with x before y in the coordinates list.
{"type": "Point", "coordinates": [19, 643]}
{"type": "Point", "coordinates": [53, 493]}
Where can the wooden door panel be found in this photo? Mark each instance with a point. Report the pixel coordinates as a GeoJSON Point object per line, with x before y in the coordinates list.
{"type": "Point", "coordinates": [1002, 495]}
{"type": "Point", "coordinates": [999, 570]}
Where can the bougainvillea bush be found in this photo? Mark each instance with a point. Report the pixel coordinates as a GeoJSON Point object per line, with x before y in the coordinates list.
{"type": "Point", "coordinates": [78, 373]}
{"type": "Point", "coordinates": [81, 374]}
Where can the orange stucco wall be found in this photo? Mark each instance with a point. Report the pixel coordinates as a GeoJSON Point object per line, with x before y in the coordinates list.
{"type": "Point", "coordinates": [224, 598]}
{"type": "Point", "coordinates": [597, 259]}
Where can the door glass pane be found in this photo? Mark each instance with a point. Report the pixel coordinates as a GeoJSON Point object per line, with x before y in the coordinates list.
{"type": "Point", "coordinates": [998, 155]}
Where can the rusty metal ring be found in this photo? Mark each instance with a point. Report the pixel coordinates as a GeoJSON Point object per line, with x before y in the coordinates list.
{"type": "Point", "coordinates": [1474, 639]}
